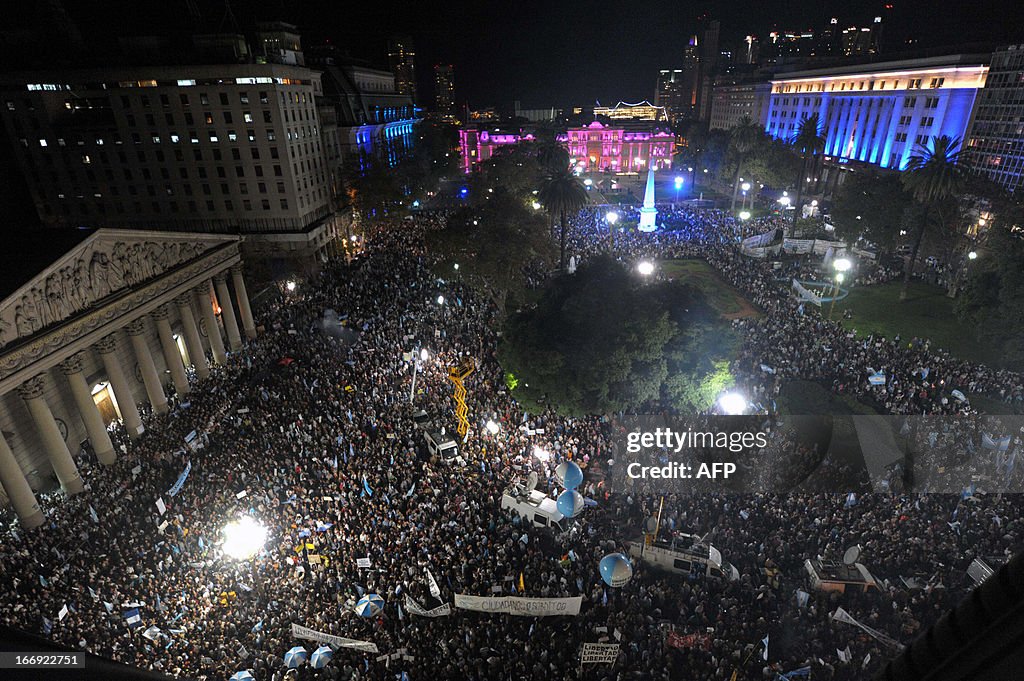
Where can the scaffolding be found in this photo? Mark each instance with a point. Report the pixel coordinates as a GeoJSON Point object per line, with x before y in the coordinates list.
{"type": "Point", "coordinates": [457, 375]}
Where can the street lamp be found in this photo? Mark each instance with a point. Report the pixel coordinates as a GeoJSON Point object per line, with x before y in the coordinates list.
{"type": "Point", "coordinates": [440, 300]}
{"type": "Point", "coordinates": [973, 255]}
{"type": "Point", "coordinates": [536, 205]}
{"type": "Point", "coordinates": [841, 266]}
{"type": "Point", "coordinates": [290, 286]}
{"type": "Point", "coordinates": [645, 267]}
{"type": "Point", "coordinates": [744, 215]}
{"type": "Point", "coordinates": [612, 217]}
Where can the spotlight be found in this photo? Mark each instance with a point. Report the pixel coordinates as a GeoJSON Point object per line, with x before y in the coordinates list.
{"type": "Point", "coordinates": [243, 538]}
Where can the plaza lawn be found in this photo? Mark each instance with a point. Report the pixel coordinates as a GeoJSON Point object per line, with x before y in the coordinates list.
{"type": "Point", "coordinates": [729, 302]}
{"type": "Point", "coordinates": [927, 313]}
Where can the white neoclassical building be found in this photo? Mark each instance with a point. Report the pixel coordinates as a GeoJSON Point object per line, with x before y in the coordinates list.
{"type": "Point", "coordinates": [106, 327]}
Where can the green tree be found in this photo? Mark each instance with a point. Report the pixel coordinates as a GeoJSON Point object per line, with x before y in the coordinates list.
{"type": "Point", "coordinates": [603, 340]}
{"type": "Point", "coordinates": [871, 205]}
{"type": "Point", "coordinates": [743, 139]}
{"type": "Point", "coordinates": [562, 194]}
{"type": "Point", "coordinates": [991, 300]}
{"type": "Point", "coordinates": [492, 243]}
{"type": "Point", "coordinates": [808, 142]}
{"type": "Point", "coordinates": [933, 176]}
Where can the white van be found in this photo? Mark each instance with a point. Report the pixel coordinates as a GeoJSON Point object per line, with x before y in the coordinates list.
{"type": "Point", "coordinates": [684, 555]}
{"type": "Point", "coordinates": [533, 506]}
{"type": "Point", "coordinates": [441, 446]}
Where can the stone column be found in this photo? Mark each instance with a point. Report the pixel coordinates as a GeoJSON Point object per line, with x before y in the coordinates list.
{"type": "Point", "coordinates": [94, 426]}
{"type": "Point", "coordinates": [17, 488]}
{"type": "Point", "coordinates": [192, 339]}
{"type": "Point", "coordinates": [227, 312]}
{"type": "Point", "coordinates": [212, 327]}
{"type": "Point", "coordinates": [243, 302]}
{"type": "Point", "coordinates": [56, 449]}
{"type": "Point", "coordinates": [172, 356]}
{"type": "Point", "coordinates": [150, 378]}
{"type": "Point", "coordinates": [107, 348]}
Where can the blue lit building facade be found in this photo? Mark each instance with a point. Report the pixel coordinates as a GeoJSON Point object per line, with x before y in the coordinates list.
{"type": "Point", "coordinates": [879, 113]}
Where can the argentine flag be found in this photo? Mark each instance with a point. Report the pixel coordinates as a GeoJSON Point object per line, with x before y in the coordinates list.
{"type": "Point", "coordinates": [132, 618]}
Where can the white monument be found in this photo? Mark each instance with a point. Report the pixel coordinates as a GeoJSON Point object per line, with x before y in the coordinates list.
{"type": "Point", "coordinates": [648, 213]}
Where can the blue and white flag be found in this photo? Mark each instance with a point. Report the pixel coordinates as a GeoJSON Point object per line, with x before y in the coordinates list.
{"type": "Point", "coordinates": [43, 582]}
{"type": "Point", "coordinates": [959, 396]}
{"type": "Point", "coordinates": [923, 372]}
{"type": "Point", "coordinates": [851, 499]}
{"type": "Point", "coordinates": [92, 593]}
{"type": "Point", "coordinates": [303, 534]}
{"type": "Point", "coordinates": [181, 480]}
{"type": "Point", "coordinates": [767, 369]}
{"type": "Point", "coordinates": [109, 607]}
{"type": "Point", "coordinates": [1003, 443]}
{"type": "Point", "coordinates": [47, 626]}
{"type": "Point", "coordinates": [323, 527]}
{"type": "Point", "coordinates": [796, 673]}
{"type": "Point", "coordinates": [764, 642]}
{"type": "Point", "coordinates": [988, 442]}
{"type": "Point", "coordinates": [877, 378]}
{"type": "Point", "coordinates": [366, 487]}
{"type": "Point", "coordinates": [92, 514]}
{"type": "Point", "coordinates": [411, 490]}
{"type": "Point", "coordinates": [258, 627]}
{"type": "Point", "coordinates": [132, 618]}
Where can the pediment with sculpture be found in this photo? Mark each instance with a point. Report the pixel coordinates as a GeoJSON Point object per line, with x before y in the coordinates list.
{"type": "Point", "coordinates": [106, 264]}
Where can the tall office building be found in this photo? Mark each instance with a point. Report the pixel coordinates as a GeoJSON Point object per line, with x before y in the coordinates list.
{"type": "Point", "coordinates": [995, 146]}
{"type": "Point", "coordinates": [231, 148]}
{"type": "Point", "coordinates": [709, 58]}
{"type": "Point", "coordinates": [402, 63]}
{"type": "Point", "coordinates": [444, 90]}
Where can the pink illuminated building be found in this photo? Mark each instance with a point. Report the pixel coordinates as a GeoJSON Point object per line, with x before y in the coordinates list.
{"type": "Point", "coordinates": [618, 147]}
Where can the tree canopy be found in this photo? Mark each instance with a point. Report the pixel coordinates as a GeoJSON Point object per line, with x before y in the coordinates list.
{"type": "Point", "coordinates": [604, 339]}
{"type": "Point", "coordinates": [872, 205]}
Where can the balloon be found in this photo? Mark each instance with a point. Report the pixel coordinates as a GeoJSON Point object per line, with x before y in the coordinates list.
{"type": "Point", "coordinates": [616, 570]}
{"type": "Point", "coordinates": [570, 503]}
{"type": "Point", "coordinates": [569, 474]}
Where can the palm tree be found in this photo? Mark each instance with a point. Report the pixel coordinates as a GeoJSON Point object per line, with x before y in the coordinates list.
{"type": "Point", "coordinates": [932, 176]}
{"type": "Point", "coordinates": [742, 140]}
{"type": "Point", "coordinates": [551, 154]}
{"type": "Point", "coordinates": [562, 194]}
{"type": "Point", "coordinates": [808, 142]}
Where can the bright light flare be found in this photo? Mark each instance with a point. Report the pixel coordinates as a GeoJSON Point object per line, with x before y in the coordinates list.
{"type": "Point", "coordinates": [612, 218]}
{"type": "Point", "coordinates": [492, 427]}
{"type": "Point", "coordinates": [290, 286]}
{"type": "Point", "coordinates": [645, 267]}
{"type": "Point", "coordinates": [842, 264]}
{"type": "Point", "coordinates": [542, 454]}
{"type": "Point", "coordinates": [973, 255]}
{"type": "Point", "coordinates": [243, 538]}
{"type": "Point", "coordinates": [744, 215]}
{"type": "Point", "coordinates": [732, 403]}
{"type": "Point", "coordinates": [440, 300]}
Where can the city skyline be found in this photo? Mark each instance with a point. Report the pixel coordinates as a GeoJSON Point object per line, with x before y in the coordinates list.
{"type": "Point", "coordinates": [556, 55]}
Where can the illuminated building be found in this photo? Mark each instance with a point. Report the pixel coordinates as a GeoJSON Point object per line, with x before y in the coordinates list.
{"type": "Point", "coordinates": [731, 102]}
{"type": "Point", "coordinates": [279, 43]}
{"type": "Point", "coordinates": [995, 146]}
{"type": "Point", "coordinates": [626, 147]}
{"type": "Point", "coordinates": [641, 111]}
{"type": "Point", "coordinates": [402, 62]}
{"type": "Point", "coordinates": [878, 113]}
{"type": "Point", "coordinates": [231, 148]}
{"type": "Point", "coordinates": [444, 90]}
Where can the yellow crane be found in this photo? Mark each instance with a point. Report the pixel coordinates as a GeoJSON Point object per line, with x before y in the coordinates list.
{"type": "Point", "coordinates": [457, 375]}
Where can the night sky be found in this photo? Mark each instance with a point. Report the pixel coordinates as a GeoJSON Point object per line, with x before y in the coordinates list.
{"type": "Point", "coordinates": [550, 52]}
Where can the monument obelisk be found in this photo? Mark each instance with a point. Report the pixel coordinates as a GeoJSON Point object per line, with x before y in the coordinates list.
{"type": "Point", "coordinates": [648, 212]}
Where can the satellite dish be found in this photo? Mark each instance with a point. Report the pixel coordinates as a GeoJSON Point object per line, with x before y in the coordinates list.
{"type": "Point", "coordinates": [651, 525]}
{"type": "Point", "coordinates": [531, 482]}
{"type": "Point", "coordinates": [851, 555]}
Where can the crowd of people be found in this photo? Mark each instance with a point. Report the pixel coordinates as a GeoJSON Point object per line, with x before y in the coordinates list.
{"type": "Point", "coordinates": [309, 430]}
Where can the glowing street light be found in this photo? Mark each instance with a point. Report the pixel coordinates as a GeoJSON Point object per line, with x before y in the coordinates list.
{"type": "Point", "coordinates": [588, 182]}
{"type": "Point", "coordinates": [745, 186]}
{"type": "Point", "coordinates": [744, 215]}
{"type": "Point", "coordinates": [492, 427]}
{"type": "Point", "coordinates": [456, 267]}
{"type": "Point", "coordinates": [973, 255]}
{"type": "Point", "coordinates": [645, 267]}
{"type": "Point", "coordinates": [732, 403]}
{"type": "Point", "coordinates": [679, 182]}
{"type": "Point", "coordinates": [440, 300]}
{"type": "Point", "coordinates": [784, 201]}
{"type": "Point", "coordinates": [243, 538]}
{"type": "Point", "coordinates": [290, 286]}
{"type": "Point", "coordinates": [612, 217]}
{"type": "Point", "coordinates": [536, 205]}
{"type": "Point", "coordinates": [423, 357]}
{"type": "Point", "coordinates": [841, 266]}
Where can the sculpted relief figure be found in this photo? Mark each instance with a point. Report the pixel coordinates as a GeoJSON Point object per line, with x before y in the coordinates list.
{"type": "Point", "coordinates": [55, 301]}
{"type": "Point", "coordinates": [99, 275]}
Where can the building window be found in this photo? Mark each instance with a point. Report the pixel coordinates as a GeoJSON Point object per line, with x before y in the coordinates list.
{"type": "Point", "coordinates": [243, 97]}
{"type": "Point", "coordinates": [204, 99]}
{"type": "Point", "coordinates": [247, 116]}
{"type": "Point", "coordinates": [209, 118]}
{"type": "Point", "coordinates": [224, 99]}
